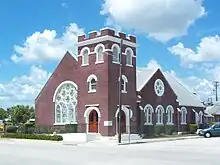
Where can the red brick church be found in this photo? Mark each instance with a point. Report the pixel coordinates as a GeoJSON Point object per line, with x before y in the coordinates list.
{"type": "Point", "coordinates": [84, 91]}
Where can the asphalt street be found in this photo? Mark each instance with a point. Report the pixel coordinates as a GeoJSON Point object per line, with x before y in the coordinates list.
{"type": "Point", "coordinates": [183, 152]}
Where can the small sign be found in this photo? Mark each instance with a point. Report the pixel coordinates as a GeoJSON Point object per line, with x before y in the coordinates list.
{"type": "Point", "coordinates": [107, 123]}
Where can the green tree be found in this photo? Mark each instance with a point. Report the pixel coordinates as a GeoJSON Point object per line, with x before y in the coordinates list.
{"type": "Point", "coordinates": [3, 114]}
{"type": "Point", "coordinates": [21, 113]}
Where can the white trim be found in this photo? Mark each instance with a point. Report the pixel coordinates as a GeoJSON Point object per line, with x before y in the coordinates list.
{"type": "Point", "coordinates": [146, 114]}
{"type": "Point", "coordinates": [168, 115]}
{"type": "Point", "coordinates": [89, 109]}
{"type": "Point", "coordinates": [156, 111]}
{"type": "Point", "coordinates": [141, 108]}
{"type": "Point", "coordinates": [128, 49]}
{"type": "Point", "coordinates": [92, 76]}
{"type": "Point", "coordinates": [128, 112]}
{"type": "Point", "coordinates": [65, 123]}
{"type": "Point", "coordinates": [82, 54]}
{"type": "Point", "coordinates": [89, 79]}
{"type": "Point", "coordinates": [125, 80]}
{"type": "Point", "coordinates": [118, 49]}
{"type": "Point", "coordinates": [61, 84]}
{"type": "Point", "coordinates": [91, 105]}
{"type": "Point", "coordinates": [96, 51]}
{"type": "Point", "coordinates": [185, 122]}
{"type": "Point", "coordinates": [86, 115]}
{"type": "Point", "coordinates": [162, 85]}
{"type": "Point", "coordinates": [200, 117]}
{"type": "Point", "coordinates": [106, 38]}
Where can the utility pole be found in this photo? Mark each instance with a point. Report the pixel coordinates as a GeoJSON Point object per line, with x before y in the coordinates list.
{"type": "Point", "coordinates": [216, 85]}
{"type": "Point", "coordinates": [119, 96]}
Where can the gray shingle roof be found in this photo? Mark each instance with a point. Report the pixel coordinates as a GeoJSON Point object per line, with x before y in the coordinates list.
{"type": "Point", "coordinates": [213, 110]}
{"type": "Point", "coordinates": [185, 96]}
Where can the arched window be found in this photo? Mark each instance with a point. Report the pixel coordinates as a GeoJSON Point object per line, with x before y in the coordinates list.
{"type": "Point", "coordinates": [66, 103]}
{"type": "Point", "coordinates": [85, 57]}
{"type": "Point", "coordinates": [124, 82]}
{"type": "Point", "coordinates": [129, 55]}
{"type": "Point", "coordinates": [116, 53]}
{"type": "Point", "coordinates": [183, 115]}
{"type": "Point", "coordinates": [169, 114]}
{"type": "Point", "coordinates": [159, 114]}
{"type": "Point", "coordinates": [92, 80]}
{"type": "Point", "coordinates": [200, 117]}
{"type": "Point", "coordinates": [99, 49]}
{"type": "Point", "coordinates": [148, 109]}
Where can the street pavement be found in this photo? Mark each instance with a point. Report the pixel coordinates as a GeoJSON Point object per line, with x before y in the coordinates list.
{"type": "Point", "coordinates": [182, 152]}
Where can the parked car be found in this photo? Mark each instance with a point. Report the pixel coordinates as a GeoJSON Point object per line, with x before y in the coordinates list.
{"type": "Point", "coordinates": [212, 131]}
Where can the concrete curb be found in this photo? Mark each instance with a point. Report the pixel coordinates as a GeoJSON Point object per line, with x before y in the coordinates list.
{"type": "Point", "coordinates": [159, 140]}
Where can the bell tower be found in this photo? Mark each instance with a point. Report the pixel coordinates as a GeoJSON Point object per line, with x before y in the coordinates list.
{"type": "Point", "coordinates": [99, 62]}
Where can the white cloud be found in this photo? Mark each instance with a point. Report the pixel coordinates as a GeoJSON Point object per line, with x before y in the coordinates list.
{"type": "Point", "coordinates": [153, 64]}
{"type": "Point", "coordinates": [63, 4]}
{"type": "Point", "coordinates": [160, 19]}
{"type": "Point", "coordinates": [208, 50]}
{"type": "Point", "coordinates": [24, 89]}
{"type": "Point", "coordinates": [47, 45]}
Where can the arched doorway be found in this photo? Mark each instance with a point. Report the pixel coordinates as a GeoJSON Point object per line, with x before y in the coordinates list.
{"type": "Point", "coordinates": [123, 122]}
{"type": "Point", "coordinates": [93, 121]}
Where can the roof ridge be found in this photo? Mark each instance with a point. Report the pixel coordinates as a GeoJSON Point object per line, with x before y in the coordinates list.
{"type": "Point", "coordinates": [178, 81]}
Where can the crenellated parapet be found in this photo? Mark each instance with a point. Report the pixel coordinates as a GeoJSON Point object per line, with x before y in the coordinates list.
{"type": "Point", "coordinates": [106, 32]}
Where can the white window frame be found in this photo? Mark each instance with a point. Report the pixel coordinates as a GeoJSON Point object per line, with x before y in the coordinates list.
{"type": "Point", "coordinates": [118, 56]}
{"type": "Point", "coordinates": [97, 53]}
{"type": "Point", "coordinates": [89, 79]}
{"type": "Point", "coordinates": [200, 117]}
{"type": "Point", "coordinates": [169, 114]}
{"type": "Point", "coordinates": [148, 114]}
{"type": "Point", "coordinates": [155, 87]}
{"type": "Point", "coordinates": [125, 83]}
{"type": "Point", "coordinates": [159, 115]}
{"type": "Point", "coordinates": [131, 58]}
{"type": "Point", "coordinates": [58, 103]}
{"type": "Point", "coordinates": [183, 117]}
{"type": "Point", "coordinates": [85, 63]}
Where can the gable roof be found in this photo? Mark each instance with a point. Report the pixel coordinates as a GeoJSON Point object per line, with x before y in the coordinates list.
{"type": "Point", "coordinates": [143, 76]}
{"type": "Point", "coordinates": [214, 109]}
{"type": "Point", "coordinates": [67, 54]}
{"type": "Point", "coordinates": [185, 96]}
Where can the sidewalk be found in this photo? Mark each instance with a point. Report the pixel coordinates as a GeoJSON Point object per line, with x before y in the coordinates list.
{"type": "Point", "coordinates": [153, 140]}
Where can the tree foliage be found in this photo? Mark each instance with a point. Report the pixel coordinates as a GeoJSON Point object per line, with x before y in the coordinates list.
{"type": "Point", "coordinates": [21, 113]}
{"type": "Point", "coordinates": [3, 114]}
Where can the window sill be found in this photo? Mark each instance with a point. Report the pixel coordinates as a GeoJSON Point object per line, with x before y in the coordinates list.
{"type": "Point", "coordinates": [92, 91]}
{"type": "Point", "coordinates": [148, 124]}
{"type": "Point", "coordinates": [170, 123]}
{"type": "Point", "coordinates": [85, 65]}
{"type": "Point", "coordinates": [159, 124]}
{"type": "Point", "coordinates": [65, 123]}
{"type": "Point", "coordinates": [124, 91]}
{"type": "Point", "coordinates": [183, 123]}
{"type": "Point", "coordinates": [116, 62]}
{"type": "Point", "coordinates": [99, 62]}
{"type": "Point", "coordinates": [129, 65]}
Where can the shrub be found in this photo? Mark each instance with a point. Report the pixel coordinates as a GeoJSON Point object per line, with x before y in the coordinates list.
{"type": "Point", "coordinates": [148, 130]}
{"type": "Point", "coordinates": [33, 136]}
{"type": "Point", "coordinates": [192, 128]}
{"type": "Point", "coordinates": [11, 129]}
{"type": "Point", "coordinates": [159, 129]}
{"type": "Point", "coordinates": [170, 129]}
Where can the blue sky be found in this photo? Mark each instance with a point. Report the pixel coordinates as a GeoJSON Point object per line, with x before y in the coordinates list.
{"type": "Point", "coordinates": [180, 37]}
